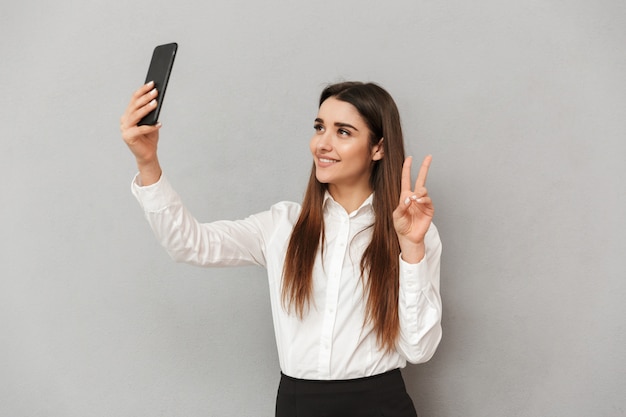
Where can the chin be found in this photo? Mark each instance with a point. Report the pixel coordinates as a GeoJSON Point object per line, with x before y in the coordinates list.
{"type": "Point", "coordinates": [324, 179]}
{"type": "Point", "coordinates": [321, 180]}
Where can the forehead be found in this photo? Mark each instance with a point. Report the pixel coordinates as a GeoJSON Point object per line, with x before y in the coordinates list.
{"type": "Point", "coordinates": [337, 111]}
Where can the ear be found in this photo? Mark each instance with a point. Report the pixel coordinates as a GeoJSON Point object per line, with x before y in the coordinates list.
{"type": "Point", "coordinates": [378, 151]}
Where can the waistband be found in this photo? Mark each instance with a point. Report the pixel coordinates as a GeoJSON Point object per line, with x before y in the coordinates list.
{"type": "Point", "coordinates": [390, 380]}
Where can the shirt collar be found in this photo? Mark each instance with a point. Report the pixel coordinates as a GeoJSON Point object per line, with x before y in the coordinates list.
{"type": "Point", "coordinates": [368, 204]}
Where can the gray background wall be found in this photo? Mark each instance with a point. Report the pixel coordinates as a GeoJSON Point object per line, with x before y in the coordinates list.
{"type": "Point", "coordinates": [522, 104]}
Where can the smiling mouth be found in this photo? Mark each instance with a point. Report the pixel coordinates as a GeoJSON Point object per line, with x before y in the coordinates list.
{"type": "Point", "coordinates": [327, 161]}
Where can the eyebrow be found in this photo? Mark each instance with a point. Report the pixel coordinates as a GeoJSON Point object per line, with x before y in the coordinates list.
{"type": "Point", "coordinates": [338, 124]}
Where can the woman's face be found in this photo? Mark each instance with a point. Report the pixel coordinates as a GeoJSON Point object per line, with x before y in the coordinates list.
{"type": "Point", "coordinates": [341, 147]}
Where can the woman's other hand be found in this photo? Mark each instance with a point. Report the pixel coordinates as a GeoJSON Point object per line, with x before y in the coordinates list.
{"type": "Point", "coordinates": [414, 213]}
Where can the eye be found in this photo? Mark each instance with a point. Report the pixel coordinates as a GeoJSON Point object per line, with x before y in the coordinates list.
{"type": "Point", "coordinates": [318, 127]}
{"type": "Point", "coordinates": [343, 132]}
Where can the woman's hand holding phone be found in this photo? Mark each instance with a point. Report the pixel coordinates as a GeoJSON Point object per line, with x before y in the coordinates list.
{"type": "Point", "coordinates": [142, 140]}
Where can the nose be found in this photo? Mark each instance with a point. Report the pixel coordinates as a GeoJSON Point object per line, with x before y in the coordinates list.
{"type": "Point", "coordinates": [324, 143]}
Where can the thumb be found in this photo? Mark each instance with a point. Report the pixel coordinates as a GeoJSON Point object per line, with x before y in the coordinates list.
{"type": "Point", "coordinates": [403, 207]}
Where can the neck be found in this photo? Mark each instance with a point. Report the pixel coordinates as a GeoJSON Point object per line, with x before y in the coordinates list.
{"type": "Point", "coordinates": [349, 198]}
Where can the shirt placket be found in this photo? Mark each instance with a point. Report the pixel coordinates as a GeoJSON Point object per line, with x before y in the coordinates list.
{"type": "Point", "coordinates": [335, 265]}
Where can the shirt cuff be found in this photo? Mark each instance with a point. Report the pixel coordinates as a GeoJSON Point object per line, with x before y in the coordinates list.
{"type": "Point", "coordinates": [155, 197]}
{"type": "Point", "coordinates": [413, 277]}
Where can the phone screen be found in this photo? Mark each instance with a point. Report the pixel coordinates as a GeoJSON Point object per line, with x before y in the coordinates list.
{"type": "Point", "coordinates": [159, 71]}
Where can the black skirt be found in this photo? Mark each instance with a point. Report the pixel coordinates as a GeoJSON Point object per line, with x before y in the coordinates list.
{"type": "Point", "coordinates": [374, 396]}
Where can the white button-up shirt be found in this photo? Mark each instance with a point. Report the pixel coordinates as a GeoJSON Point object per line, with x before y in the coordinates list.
{"type": "Point", "coordinates": [331, 341]}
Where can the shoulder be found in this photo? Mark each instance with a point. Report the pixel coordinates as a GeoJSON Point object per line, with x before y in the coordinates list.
{"type": "Point", "coordinates": [287, 209]}
{"type": "Point", "coordinates": [282, 213]}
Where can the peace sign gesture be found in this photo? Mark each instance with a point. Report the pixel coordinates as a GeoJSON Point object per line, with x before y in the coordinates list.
{"type": "Point", "coordinates": [414, 213]}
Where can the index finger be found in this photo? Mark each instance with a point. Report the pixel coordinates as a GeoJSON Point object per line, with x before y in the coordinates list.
{"type": "Point", "coordinates": [423, 174]}
{"type": "Point", "coordinates": [405, 184]}
{"type": "Point", "coordinates": [143, 89]}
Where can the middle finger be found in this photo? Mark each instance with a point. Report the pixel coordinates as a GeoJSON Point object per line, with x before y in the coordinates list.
{"type": "Point", "coordinates": [423, 173]}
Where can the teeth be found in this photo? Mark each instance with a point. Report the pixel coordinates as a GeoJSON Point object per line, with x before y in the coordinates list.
{"type": "Point", "coordinates": [328, 161]}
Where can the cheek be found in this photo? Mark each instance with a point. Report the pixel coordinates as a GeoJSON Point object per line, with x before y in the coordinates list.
{"type": "Point", "coordinates": [313, 145]}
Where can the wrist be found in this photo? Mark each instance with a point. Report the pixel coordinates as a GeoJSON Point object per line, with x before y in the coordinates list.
{"type": "Point", "coordinates": [149, 171]}
{"type": "Point", "coordinates": [412, 253]}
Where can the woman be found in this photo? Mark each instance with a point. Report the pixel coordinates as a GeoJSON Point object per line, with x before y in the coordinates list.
{"type": "Point", "coordinates": [353, 271]}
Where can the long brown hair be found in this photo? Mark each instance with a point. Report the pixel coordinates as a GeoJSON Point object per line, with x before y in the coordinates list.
{"type": "Point", "coordinates": [380, 261]}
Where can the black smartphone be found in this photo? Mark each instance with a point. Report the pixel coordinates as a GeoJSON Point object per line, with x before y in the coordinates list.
{"type": "Point", "coordinates": [159, 71]}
